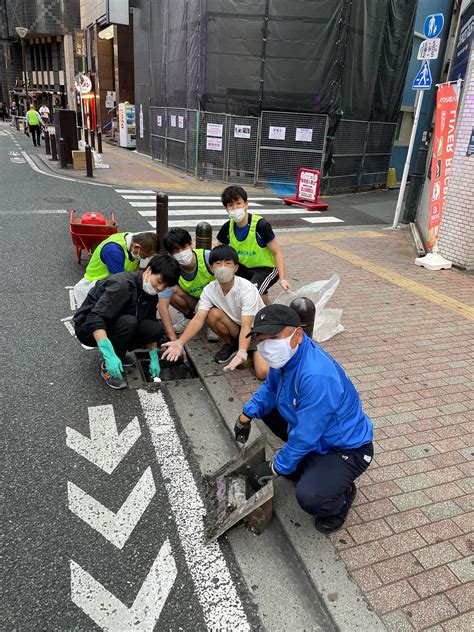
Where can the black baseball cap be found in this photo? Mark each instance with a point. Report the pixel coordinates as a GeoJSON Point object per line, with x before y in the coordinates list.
{"type": "Point", "coordinates": [273, 318]}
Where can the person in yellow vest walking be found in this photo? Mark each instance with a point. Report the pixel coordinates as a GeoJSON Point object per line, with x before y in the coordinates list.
{"type": "Point", "coordinates": [260, 257]}
{"type": "Point", "coordinates": [121, 252]}
{"type": "Point", "coordinates": [195, 271]}
{"type": "Point", "coordinates": [35, 125]}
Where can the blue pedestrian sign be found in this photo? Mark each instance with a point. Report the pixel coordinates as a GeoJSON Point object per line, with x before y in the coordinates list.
{"type": "Point", "coordinates": [423, 80]}
{"type": "Point", "coordinates": [433, 25]}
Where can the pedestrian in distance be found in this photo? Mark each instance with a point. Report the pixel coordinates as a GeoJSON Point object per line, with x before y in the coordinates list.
{"type": "Point", "coordinates": [122, 252]}
{"type": "Point", "coordinates": [35, 125]}
{"type": "Point", "coordinates": [260, 257]}
{"type": "Point", "coordinates": [14, 113]}
{"type": "Point", "coordinates": [119, 316]}
{"type": "Point", "coordinates": [44, 113]}
{"type": "Point", "coordinates": [195, 275]}
{"type": "Point", "coordinates": [228, 305]}
{"type": "Point", "coordinates": [308, 401]}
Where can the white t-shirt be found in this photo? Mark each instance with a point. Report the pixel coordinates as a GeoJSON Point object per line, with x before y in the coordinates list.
{"type": "Point", "coordinates": [242, 300]}
{"type": "Point", "coordinates": [44, 111]}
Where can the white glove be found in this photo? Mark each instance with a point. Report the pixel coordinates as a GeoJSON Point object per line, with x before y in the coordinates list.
{"type": "Point", "coordinates": [285, 285]}
{"type": "Point", "coordinates": [174, 350]}
{"type": "Point", "coordinates": [239, 357]}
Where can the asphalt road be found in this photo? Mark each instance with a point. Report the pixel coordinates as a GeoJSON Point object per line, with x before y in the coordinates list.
{"type": "Point", "coordinates": [103, 488]}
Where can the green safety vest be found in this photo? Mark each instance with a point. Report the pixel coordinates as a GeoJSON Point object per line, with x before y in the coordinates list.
{"type": "Point", "coordinates": [33, 117]}
{"type": "Point", "coordinates": [96, 268]}
{"type": "Point", "coordinates": [251, 254]}
{"type": "Point", "coordinates": [202, 277]}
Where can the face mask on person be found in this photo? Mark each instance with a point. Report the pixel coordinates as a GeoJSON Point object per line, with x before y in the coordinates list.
{"type": "Point", "coordinates": [224, 274]}
{"type": "Point", "coordinates": [136, 254]}
{"type": "Point", "coordinates": [185, 257]}
{"type": "Point", "coordinates": [237, 214]}
{"type": "Point", "coordinates": [148, 287]}
{"type": "Point", "coordinates": [277, 351]}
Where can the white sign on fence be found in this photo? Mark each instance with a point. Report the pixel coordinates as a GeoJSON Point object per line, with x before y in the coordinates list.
{"type": "Point", "coordinates": [304, 134]}
{"type": "Point", "coordinates": [181, 121]}
{"type": "Point", "coordinates": [277, 133]}
{"type": "Point", "coordinates": [242, 131]}
{"type": "Point", "coordinates": [159, 120]}
{"type": "Point", "coordinates": [429, 49]}
{"type": "Point", "coordinates": [214, 129]}
{"type": "Point", "coordinates": [173, 120]}
{"type": "Point", "coordinates": [213, 143]}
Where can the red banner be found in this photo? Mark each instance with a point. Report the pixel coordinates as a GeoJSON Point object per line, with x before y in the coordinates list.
{"type": "Point", "coordinates": [443, 152]}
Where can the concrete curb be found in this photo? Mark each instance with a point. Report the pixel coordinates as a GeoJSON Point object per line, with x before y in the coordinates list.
{"type": "Point", "coordinates": [340, 595]}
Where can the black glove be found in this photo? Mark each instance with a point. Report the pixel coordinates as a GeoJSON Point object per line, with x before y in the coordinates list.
{"type": "Point", "coordinates": [242, 431]}
{"type": "Point", "coordinates": [264, 473]}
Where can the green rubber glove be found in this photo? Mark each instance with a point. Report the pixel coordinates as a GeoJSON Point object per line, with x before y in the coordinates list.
{"type": "Point", "coordinates": [155, 368]}
{"type": "Point", "coordinates": [113, 363]}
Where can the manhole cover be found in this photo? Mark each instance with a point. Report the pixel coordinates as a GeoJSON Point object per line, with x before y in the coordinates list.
{"type": "Point", "coordinates": [138, 376]}
{"type": "Point", "coordinates": [58, 200]}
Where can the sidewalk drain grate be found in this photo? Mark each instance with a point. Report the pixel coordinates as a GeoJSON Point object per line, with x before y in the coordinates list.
{"type": "Point", "coordinates": [138, 376]}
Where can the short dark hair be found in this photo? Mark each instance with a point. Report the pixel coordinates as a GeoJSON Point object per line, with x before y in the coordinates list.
{"type": "Point", "coordinates": [149, 243]}
{"type": "Point", "coordinates": [223, 253]}
{"type": "Point", "coordinates": [233, 194]}
{"type": "Point", "coordinates": [176, 238]}
{"type": "Point", "coordinates": [167, 266]}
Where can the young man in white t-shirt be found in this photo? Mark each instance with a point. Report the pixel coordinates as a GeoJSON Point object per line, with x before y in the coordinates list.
{"type": "Point", "coordinates": [228, 305]}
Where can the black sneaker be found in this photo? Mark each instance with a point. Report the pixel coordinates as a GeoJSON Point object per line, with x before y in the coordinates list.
{"type": "Point", "coordinates": [113, 382]}
{"type": "Point", "coordinates": [227, 352]}
{"type": "Point", "coordinates": [130, 359]}
{"type": "Point", "coordinates": [328, 524]}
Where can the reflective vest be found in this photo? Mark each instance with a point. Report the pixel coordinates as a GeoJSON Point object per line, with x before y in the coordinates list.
{"type": "Point", "coordinates": [251, 254]}
{"type": "Point", "coordinates": [202, 277]}
{"type": "Point", "coordinates": [96, 268]}
{"type": "Point", "coordinates": [33, 117]}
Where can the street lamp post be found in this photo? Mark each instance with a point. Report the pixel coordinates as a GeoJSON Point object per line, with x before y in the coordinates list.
{"type": "Point", "coordinates": [22, 31]}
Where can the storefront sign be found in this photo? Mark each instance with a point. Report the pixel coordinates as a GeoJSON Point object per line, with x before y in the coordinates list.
{"type": "Point", "coordinates": [443, 152]}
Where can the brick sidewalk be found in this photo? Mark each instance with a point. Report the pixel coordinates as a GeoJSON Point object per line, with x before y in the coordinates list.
{"type": "Point", "coordinates": [409, 349]}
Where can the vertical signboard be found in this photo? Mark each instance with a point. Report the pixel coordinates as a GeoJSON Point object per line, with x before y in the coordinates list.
{"type": "Point", "coordinates": [443, 152]}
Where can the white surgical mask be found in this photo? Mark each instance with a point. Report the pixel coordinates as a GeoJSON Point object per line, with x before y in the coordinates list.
{"type": "Point", "coordinates": [136, 256]}
{"type": "Point", "coordinates": [237, 214]}
{"type": "Point", "coordinates": [148, 287]}
{"type": "Point", "coordinates": [277, 351]}
{"type": "Point", "coordinates": [185, 257]}
{"type": "Point", "coordinates": [224, 274]}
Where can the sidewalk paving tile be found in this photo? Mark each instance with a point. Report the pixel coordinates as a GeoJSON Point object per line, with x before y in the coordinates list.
{"type": "Point", "coordinates": [430, 611]}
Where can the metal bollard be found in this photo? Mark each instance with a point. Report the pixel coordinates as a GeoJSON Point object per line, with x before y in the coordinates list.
{"type": "Point", "coordinates": [54, 152]}
{"type": "Point", "coordinates": [161, 217]}
{"type": "Point", "coordinates": [86, 135]}
{"type": "Point", "coordinates": [204, 236]}
{"type": "Point", "coordinates": [99, 142]}
{"type": "Point", "coordinates": [47, 143]}
{"type": "Point", "coordinates": [92, 139]}
{"type": "Point", "coordinates": [306, 310]}
{"type": "Point", "coordinates": [89, 172]}
{"type": "Point", "coordinates": [62, 153]}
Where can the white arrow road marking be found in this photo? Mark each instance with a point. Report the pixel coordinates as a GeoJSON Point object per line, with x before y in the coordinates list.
{"type": "Point", "coordinates": [110, 613]}
{"type": "Point", "coordinates": [215, 589]}
{"type": "Point", "coordinates": [106, 447]}
{"type": "Point", "coordinates": [116, 527]}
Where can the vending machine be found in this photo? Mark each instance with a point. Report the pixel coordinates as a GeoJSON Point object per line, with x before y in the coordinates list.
{"type": "Point", "coordinates": [127, 125]}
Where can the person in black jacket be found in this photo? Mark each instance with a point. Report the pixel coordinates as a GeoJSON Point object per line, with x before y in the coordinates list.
{"type": "Point", "coordinates": [119, 315]}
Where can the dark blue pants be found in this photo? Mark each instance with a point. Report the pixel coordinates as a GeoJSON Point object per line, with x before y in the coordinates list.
{"type": "Point", "coordinates": [324, 481]}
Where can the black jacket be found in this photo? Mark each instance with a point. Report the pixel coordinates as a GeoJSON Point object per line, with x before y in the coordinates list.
{"type": "Point", "coordinates": [112, 297]}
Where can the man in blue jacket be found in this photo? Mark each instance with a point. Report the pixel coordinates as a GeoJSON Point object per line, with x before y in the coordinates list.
{"type": "Point", "coordinates": [308, 401]}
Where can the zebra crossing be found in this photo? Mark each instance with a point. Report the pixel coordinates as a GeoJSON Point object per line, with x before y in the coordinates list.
{"type": "Point", "coordinates": [188, 210]}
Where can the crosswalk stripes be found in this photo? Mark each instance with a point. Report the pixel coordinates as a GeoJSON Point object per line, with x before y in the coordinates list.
{"type": "Point", "coordinates": [192, 209]}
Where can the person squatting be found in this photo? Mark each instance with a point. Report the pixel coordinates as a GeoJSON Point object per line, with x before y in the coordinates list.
{"type": "Point", "coordinates": [305, 398]}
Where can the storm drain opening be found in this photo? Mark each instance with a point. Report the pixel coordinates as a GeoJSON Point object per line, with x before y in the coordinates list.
{"type": "Point", "coordinates": [138, 375]}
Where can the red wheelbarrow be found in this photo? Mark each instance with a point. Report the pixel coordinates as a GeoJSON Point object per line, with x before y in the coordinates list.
{"type": "Point", "coordinates": [89, 230]}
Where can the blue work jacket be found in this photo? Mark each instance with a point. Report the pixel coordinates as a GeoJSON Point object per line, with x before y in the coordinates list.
{"type": "Point", "coordinates": [319, 402]}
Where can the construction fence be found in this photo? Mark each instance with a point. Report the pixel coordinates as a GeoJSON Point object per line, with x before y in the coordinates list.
{"type": "Point", "coordinates": [271, 148]}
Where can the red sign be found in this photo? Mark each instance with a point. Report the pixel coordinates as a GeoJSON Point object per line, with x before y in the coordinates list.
{"type": "Point", "coordinates": [307, 190]}
{"type": "Point", "coordinates": [443, 152]}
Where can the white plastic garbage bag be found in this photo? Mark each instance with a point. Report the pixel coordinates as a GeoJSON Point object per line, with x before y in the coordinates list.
{"type": "Point", "coordinates": [327, 322]}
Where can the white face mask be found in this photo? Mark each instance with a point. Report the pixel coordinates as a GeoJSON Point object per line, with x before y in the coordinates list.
{"type": "Point", "coordinates": [148, 287]}
{"type": "Point", "coordinates": [185, 257]}
{"type": "Point", "coordinates": [277, 351]}
{"type": "Point", "coordinates": [136, 256]}
{"type": "Point", "coordinates": [224, 274]}
{"type": "Point", "coordinates": [237, 214]}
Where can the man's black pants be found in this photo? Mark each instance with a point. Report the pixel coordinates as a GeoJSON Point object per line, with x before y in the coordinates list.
{"type": "Point", "coordinates": [324, 481]}
{"type": "Point", "coordinates": [35, 131]}
{"type": "Point", "coordinates": [125, 333]}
